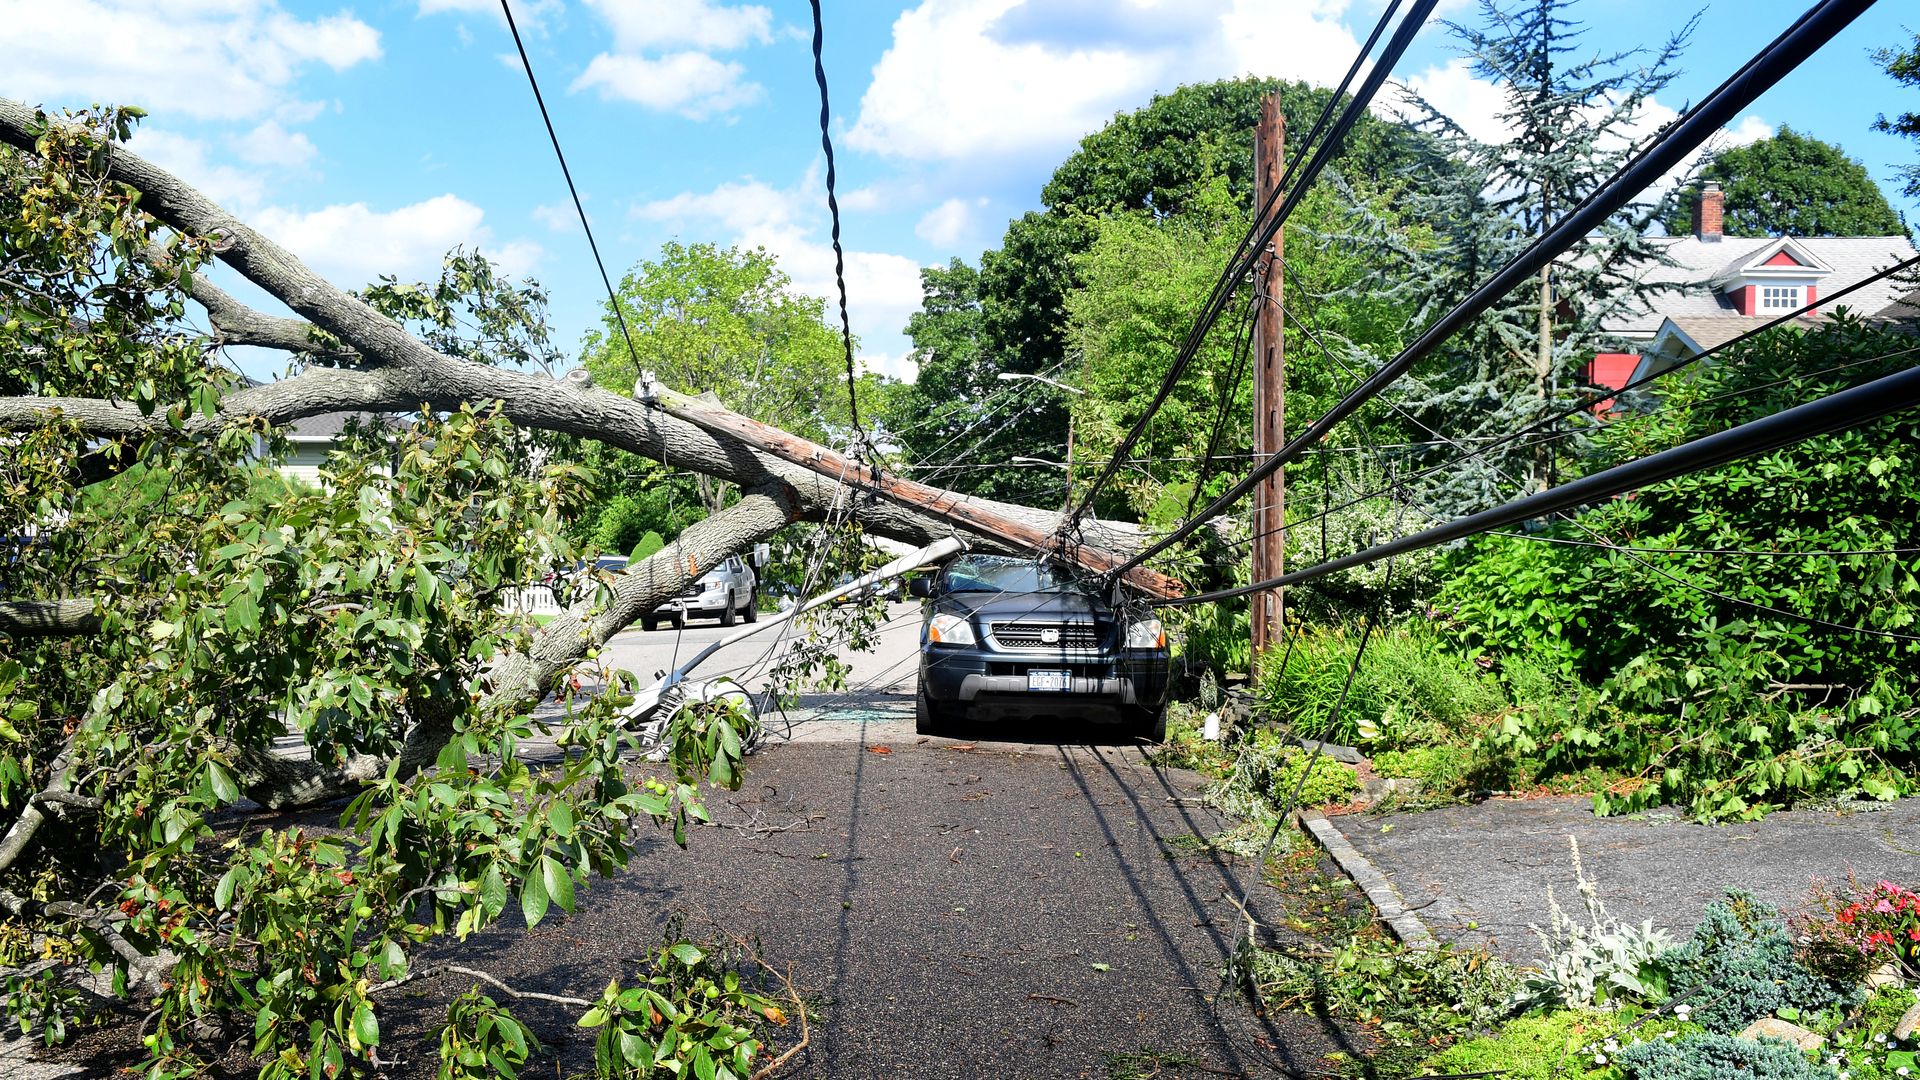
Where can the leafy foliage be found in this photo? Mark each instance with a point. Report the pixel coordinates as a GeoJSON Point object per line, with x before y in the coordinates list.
{"type": "Point", "coordinates": [1159, 163]}
{"type": "Point", "coordinates": [728, 322]}
{"type": "Point", "coordinates": [1600, 962]}
{"type": "Point", "coordinates": [1695, 663]}
{"type": "Point", "coordinates": [1574, 118]}
{"type": "Point", "coordinates": [1903, 64]}
{"type": "Point", "coordinates": [359, 617]}
{"type": "Point", "coordinates": [1410, 689]}
{"type": "Point", "coordinates": [690, 1014]}
{"type": "Point", "coordinates": [1792, 185]}
{"type": "Point", "coordinates": [480, 1040]}
{"type": "Point", "coordinates": [1559, 1045]}
{"type": "Point", "coordinates": [1424, 993]}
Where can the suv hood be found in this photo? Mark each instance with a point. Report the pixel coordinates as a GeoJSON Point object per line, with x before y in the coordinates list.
{"type": "Point", "coordinates": [1058, 605]}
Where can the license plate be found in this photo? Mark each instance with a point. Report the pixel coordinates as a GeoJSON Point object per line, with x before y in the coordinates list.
{"type": "Point", "coordinates": [1049, 680]}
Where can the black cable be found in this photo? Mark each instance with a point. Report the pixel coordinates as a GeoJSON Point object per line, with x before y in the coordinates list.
{"type": "Point", "coordinates": [1768, 67]}
{"type": "Point", "coordinates": [1839, 411]}
{"type": "Point", "coordinates": [833, 209]}
{"type": "Point", "coordinates": [1242, 360]}
{"type": "Point", "coordinates": [612, 298]}
{"type": "Point", "coordinates": [1261, 233]}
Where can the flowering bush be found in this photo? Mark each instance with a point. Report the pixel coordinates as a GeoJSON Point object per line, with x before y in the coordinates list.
{"type": "Point", "coordinates": [1847, 934]}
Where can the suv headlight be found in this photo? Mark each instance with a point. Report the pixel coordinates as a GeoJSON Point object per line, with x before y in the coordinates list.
{"type": "Point", "coordinates": [1146, 634]}
{"type": "Point", "coordinates": [950, 630]}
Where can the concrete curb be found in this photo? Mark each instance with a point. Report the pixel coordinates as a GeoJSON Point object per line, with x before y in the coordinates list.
{"type": "Point", "coordinates": [1385, 898]}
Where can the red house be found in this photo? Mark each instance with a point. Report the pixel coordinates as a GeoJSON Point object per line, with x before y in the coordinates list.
{"type": "Point", "coordinates": [1728, 285]}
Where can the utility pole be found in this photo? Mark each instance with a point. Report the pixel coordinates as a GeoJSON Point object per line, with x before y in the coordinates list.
{"type": "Point", "coordinates": [1269, 386]}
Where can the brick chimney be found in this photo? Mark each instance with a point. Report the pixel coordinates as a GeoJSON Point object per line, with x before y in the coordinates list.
{"type": "Point", "coordinates": [1707, 211]}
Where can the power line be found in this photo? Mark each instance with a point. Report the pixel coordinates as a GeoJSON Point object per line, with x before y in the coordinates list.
{"type": "Point", "coordinates": [1263, 228]}
{"type": "Point", "coordinates": [612, 299]}
{"type": "Point", "coordinates": [833, 210]}
{"type": "Point", "coordinates": [1839, 411]}
{"type": "Point", "coordinates": [1717, 552]}
{"type": "Point", "coordinates": [1812, 30]}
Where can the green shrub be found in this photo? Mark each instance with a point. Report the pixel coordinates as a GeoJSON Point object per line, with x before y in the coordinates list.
{"type": "Point", "coordinates": [1739, 966]}
{"type": "Point", "coordinates": [1411, 688]}
{"type": "Point", "coordinates": [1718, 1057]}
{"type": "Point", "coordinates": [1408, 992]}
{"type": "Point", "coordinates": [1698, 674]}
{"type": "Point", "coordinates": [1441, 770]}
{"type": "Point", "coordinates": [1557, 1045]}
{"type": "Point", "coordinates": [648, 544]}
{"type": "Point", "coordinates": [1264, 775]}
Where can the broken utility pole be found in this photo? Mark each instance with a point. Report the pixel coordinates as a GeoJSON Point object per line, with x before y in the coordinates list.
{"type": "Point", "coordinates": [945, 505]}
{"type": "Point", "coordinates": [1269, 385]}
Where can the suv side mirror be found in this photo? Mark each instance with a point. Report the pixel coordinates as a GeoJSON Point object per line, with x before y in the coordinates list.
{"type": "Point", "coordinates": [920, 588]}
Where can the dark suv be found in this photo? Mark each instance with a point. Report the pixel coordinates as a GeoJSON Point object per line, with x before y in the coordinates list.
{"type": "Point", "coordinates": [1014, 637]}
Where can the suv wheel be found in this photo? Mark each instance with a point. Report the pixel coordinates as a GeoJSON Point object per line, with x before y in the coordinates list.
{"type": "Point", "coordinates": [648, 622]}
{"type": "Point", "coordinates": [752, 613]}
{"type": "Point", "coordinates": [728, 616]}
{"type": "Point", "coordinates": [931, 719]}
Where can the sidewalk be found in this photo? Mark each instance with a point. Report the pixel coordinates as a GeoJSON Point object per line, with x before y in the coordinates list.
{"type": "Point", "coordinates": [1478, 874]}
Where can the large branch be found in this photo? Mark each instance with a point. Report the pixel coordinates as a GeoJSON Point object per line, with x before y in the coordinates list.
{"type": "Point", "coordinates": [424, 376]}
{"type": "Point", "coordinates": [48, 618]}
{"type": "Point", "coordinates": [952, 506]}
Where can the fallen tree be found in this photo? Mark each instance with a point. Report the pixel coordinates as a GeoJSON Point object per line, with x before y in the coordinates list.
{"type": "Point", "coordinates": [163, 631]}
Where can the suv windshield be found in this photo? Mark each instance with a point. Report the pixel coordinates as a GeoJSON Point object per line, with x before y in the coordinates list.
{"type": "Point", "coordinates": [991, 573]}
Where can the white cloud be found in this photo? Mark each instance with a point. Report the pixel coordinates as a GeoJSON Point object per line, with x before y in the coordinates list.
{"type": "Point", "coordinates": [1471, 102]}
{"type": "Point", "coordinates": [945, 225]}
{"type": "Point", "coordinates": [230, 59]}
{"type": "Point", "coordinates": [529, 14]}
{"type": "Point", "coordinates": [559, 217]}
{"type": "Point", "coordinates": [896, 365]}
{"type": "Point", "coordinates": [691, 83]}
{"type": "Point", "coordinates": [354, 244]}
{"type": "Point", "coordinates": [238, 190]}
{"type": "Point", "coordinates": [964, 78]}
{"type": "Point", "coordinates": [1750, 129]}
{"type": "Point", "coordinates": [271, 144]}
{"type": "Point", "coordinates": [882, 289]}
{"type": "Point", "coordinates": [639, 25]}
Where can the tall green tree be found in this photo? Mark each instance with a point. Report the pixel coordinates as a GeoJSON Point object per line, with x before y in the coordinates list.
{"type": "Point", "coordinates": [1792, 185]}
{"type": "Point", "coordinates": [727, 321]}
{"type": "Point", "coordinates": [1572, 117]}
{"type": "Point", "coordinates": [1159, 161]}
{"type": "Point", "coordinates": [1904, 65]}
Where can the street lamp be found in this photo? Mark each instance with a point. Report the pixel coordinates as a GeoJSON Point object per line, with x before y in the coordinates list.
{"type": "Point", "coordinates": [1015, 376]}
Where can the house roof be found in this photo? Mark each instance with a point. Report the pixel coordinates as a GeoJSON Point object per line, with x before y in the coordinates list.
{"type": "Point", "coordinates": [1697, 263]}
{"type": "Point", "coordinates": [326, 426]}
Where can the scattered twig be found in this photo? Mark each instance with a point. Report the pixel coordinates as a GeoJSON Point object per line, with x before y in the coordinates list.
{"type": "Point", "coordinates": [1051, 1000]}
{"type": "Point", "coordinates": [475, 973]}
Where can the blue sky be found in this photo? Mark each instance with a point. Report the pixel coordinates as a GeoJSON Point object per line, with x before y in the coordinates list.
{"type": "Point", "coordinates": [370, 137]}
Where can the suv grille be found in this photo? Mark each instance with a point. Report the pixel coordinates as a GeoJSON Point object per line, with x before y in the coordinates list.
{"type": "Point", "coordinates": [691, 590]}
{"type": "Point", "coordinates": [1077, 637]}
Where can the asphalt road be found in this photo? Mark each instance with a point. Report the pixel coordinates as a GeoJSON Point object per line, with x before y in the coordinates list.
{"type": "Point", "coordinates": [951, 910]}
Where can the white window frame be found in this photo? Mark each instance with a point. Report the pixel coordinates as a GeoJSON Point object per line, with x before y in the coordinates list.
{"type": "Point", "coordinates": [1781, 297]}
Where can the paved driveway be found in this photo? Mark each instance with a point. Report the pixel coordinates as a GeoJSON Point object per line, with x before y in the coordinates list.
{"type": "Point", "coordinates": [956, 910]}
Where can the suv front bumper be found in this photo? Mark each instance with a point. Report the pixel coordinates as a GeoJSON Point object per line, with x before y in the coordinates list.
{"type": "Point", "coordinates": [966, 676]}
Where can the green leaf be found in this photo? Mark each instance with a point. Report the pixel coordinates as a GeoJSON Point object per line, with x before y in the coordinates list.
{"type": "Point", "coordinates": [594, 1017]}
{"type": "Point", "coordinates": [365, 1027]}
{"type": "Point", "coordinates": [558, 881]}
{"type": "Point", "coordinates": [222, 783]}
{"type": "Point", "coordinates": [533, 900]}
{"type": "Point", "coordinates": [562, 818]}
{"type": "Point", "coordinates": [687, 954]}
{"type": "Point", "coordinates": [493, 892]}
{"type": "Point", "coordinates": [223, 892]}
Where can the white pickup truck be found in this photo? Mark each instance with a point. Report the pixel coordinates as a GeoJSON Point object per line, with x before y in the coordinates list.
{"type": "Point", "coordinates": [729, 592]}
